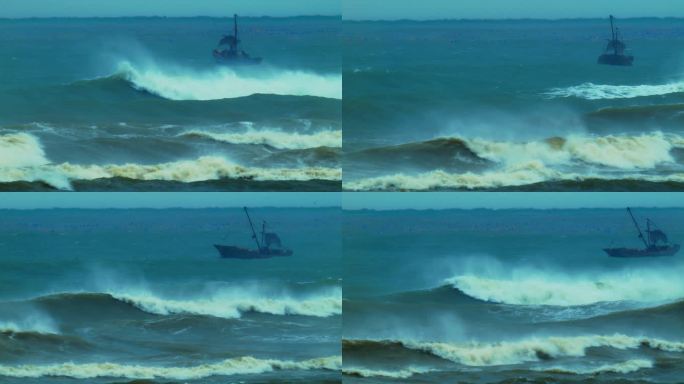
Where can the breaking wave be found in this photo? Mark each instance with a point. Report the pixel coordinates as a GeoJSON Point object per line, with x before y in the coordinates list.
{"type": "Point", "coordinates": [59, 176]}
{"type": "Point", "coordinates": [628, 366]}
{"type": "Point", "coordinates": [592, 91]}
{"type": "Point", "coordinates": [236, 366]}
{"type": "Point", "coordinates": [564, 291]}
{"type": "Point", "coordinates": [224, 83]}
{"type": "Point", "coordinates": [574, 158]}
{"type": "Point", "coordinates": [532, 349]}
{"type": "Point", "coordinates": [21, 150]}
{"type": "Point", "coordinates": [403, 373]}
{"type": "Point", "coordinates": [233, 303]}
{"type": "Point", "coordinates": [275, 138]}
{"type": "Point", "coordinates": [617, 151]}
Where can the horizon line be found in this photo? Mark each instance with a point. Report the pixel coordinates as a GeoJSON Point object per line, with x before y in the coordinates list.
{"type": "Point", "coordinates": [167, 17]}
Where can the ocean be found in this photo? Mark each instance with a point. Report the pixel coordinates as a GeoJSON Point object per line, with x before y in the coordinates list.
{"type": "Point", "coordinates": [512, 105]}
{"type": "Point", "coordinates": [139, 104]}
{"type": "Point", "coordinates": [509, 296]}
{"type": "Point", "coordinates": [141, 296]}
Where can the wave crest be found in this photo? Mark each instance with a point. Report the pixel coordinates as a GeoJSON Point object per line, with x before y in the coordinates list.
{"type": "Point", "coordinates": [535, 349]}
{"type": "Point", "coordinates": [628, 366]}
{"type": "Point", "coordinates": [237, 366]}
{"type": "Point", "coordinates": [564, 292]}
{"type": "Point", "coordinates": [591, 91]}
{"type": "Point", "coordinates": [275, 138]}
{"type": "Point", "coordinates": [21, 150]}
{"type": "Point", "coordinates": [224, 83]}
{"type": "Point", "coordinates": [233, 303]}
{"type": "Point", "coordinates": [187, 171]}
{"type": "Point", "coordinates": [403, 373]}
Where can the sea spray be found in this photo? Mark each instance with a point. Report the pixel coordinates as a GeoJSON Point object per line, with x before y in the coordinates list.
{"type": "Point", "coordinates": [547, 288]}
{"type": "Point", "coordinates": [274, 137]}
{"type": "Point", "coordinates": [223, 83]}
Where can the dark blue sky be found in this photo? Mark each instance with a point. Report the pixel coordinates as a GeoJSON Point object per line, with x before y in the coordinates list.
{"type": "Point", "coordinates": [501, 9]}
{"type": "Point", "coordinates": [171, 8]}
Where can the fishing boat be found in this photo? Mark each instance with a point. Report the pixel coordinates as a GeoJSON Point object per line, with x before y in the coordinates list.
{"type": "Point", "coordinates": [228, 51]}
{"type": "Point", "coordinates": [268, 245]}
{"type": "Point", "coordinates": [655, 242]}
{"type": "Point", "coordinates": [614, 53]}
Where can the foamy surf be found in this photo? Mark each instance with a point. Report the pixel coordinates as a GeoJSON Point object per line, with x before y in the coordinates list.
{"type": "Point", "coordinates": [21, 150]}
{"type": "Point", "coordinates": [233, 303]}
{"type": "Point", "coordinates": [224, 83]}
{"type": "Point", "coordinates": [204, 168]}
{"type": "Point", "coordinates": [627, 152]}
{"type": "Point", "coordinates": [539, 288]}
{"type": "Point", "coordinates": [238, 366]}
{"type": "Point", "coordinates": [403, 373]}
{"type": "Point", "coordinates": [591, 91]}
{"type": "Point", "coordinates": [623, 367]}
{"type": "Point", "coordinates": [275, 138]}
{"type": "Point", "coordinates": [535, 349]}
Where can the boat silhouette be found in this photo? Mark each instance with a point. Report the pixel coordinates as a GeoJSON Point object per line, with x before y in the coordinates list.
{"type": "Point", "coordinates": [614, 54]}
{"type": "Point", "coordinates": [268, 245]}
{"type": "Point", "coordinates": [655, 242]}
{"type": "Point", "coordinates": [228, 51]}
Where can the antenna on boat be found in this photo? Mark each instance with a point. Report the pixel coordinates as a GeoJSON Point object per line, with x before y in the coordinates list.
{"type": "Point", "coordinates": [254, 236]}
{"type": "Point", "coordinates": [641, 236]}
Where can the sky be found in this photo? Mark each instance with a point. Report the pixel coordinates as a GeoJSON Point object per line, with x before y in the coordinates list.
{"type": "Point", "coordinates": [503, 9]}
{"type": "Point", "coordinates": [40, 200]}
{"type": "Point", "coordinates": [170, 8]}
{"type": "Point", "coordinates": [508, 200]}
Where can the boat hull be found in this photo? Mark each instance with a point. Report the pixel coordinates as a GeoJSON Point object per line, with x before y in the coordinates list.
{"type": "Point", "coordinates": [233, 252]}
{"type": "Point", "coordinates": [661, 251]}
{"type": "Point", "coordinates": [613, 59]}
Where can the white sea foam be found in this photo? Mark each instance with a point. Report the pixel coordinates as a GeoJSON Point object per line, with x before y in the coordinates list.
{"type": "Point", "coordinates": [538, 288]}
{"type": "Point", "coordinates": [276, 138]}
{"type": "Point", "coordinates": [535, 349]}
{"type": "Point", "coordinates": [627, 152]}
{"type": "Point", "coordinates": [623, 367]}
{"type": "Point", "coordinates": [233, 302]}
{"type": "Point", "coordinates": [237, 366]}
{"type": "Point", "coordinates": [591, 91]}
{"type": "Point", "coordinates": [223, 83]}
{"type": "Point", "coordinates": [21, 150]}
{"type": "Point", "coordinates": [201, 169]}
{"type": "Point", "coordinates": [575, 158]}
{"type": "Point", "coordinates": [403, 373]}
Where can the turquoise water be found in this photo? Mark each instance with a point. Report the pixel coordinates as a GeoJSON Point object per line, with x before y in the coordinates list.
{"type": "Point", "coordinates": [494, 296]}
{"type": "Point", "coordinates": [523, 104]}
{"type": "Point", "coordinates": [89, 295]}
{"type": "Point", "coordinates": [80, 98]}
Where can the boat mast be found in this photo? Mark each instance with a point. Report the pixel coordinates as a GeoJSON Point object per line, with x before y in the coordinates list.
{"type": "Point", "coordinates": [612, 31]}
{"type": "Point", "coordinates": [641, 236]}
{"type": "Point", "coordinates": [254, 236]}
